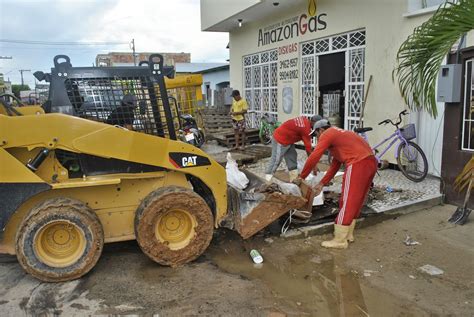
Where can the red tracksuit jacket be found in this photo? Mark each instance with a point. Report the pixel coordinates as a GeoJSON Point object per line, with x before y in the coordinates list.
{"type": "Point", "coordinates": [294, 130]}
{"type": "Point", "coordinates": [345, 146]}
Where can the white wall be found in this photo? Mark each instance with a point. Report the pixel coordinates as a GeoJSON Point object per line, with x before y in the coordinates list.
{"type": "Point", "coordinates": [214, 78]}
{"type": "Point", "coordinates": [214, 11]}
{"type": "Point", "coordinates": [386, 29]}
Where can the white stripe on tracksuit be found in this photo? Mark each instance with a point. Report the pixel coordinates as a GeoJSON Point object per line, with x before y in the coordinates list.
{"type": "Point", "coordinates": [347, 184]}
{"type": "Point", "coordinates": [299, 122]}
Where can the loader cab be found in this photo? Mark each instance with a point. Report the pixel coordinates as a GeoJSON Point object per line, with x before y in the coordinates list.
{"type": "Point", "coordinates": [133, 97]}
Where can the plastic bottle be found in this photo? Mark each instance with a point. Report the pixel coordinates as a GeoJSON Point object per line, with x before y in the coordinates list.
{"type": "Point", "coordinates": [256, 257]}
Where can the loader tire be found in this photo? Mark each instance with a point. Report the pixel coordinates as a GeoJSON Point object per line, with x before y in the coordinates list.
{"type": "Point", "coordinates": [59, 240]}
{"type": "Point", "coordinates": [173, 226]}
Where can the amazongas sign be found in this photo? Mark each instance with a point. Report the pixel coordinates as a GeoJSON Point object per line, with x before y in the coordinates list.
{"type": "Point", "coordinates": [291, 28]}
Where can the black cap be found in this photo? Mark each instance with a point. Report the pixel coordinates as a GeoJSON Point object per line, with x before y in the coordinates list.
{"type": "Point", "coordinates": [235, 93]}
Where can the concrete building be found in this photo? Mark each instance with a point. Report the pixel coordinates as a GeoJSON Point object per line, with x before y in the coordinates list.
{"type": "Point", "coordinates": [126, 58]}
{"type": "Point", "coordinates": [215, 78]}
{"type": "Point", "coordinates": [301, 57]}
{"type": "Point", "coordinates": [5, 85]}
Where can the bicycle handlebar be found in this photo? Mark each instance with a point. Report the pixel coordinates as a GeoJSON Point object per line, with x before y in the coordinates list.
{"type": "Point", "coordinates": [403, 113]}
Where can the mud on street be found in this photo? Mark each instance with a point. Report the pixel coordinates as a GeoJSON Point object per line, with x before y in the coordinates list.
{"type": "Point", "coordinates": [377, 276]}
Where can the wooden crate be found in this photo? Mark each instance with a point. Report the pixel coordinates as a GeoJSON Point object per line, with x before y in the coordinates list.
{"type": "Point", "coordinates": [228, 138]}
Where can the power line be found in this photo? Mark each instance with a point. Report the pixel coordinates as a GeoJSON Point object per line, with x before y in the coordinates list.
{"type": "Point", "coordinates": [54, 48]}
{"type": "Point", "coordinates": [60, 43]}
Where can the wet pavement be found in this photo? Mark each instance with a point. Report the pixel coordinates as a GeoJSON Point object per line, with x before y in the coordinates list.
{"type": "Point", "coordinates": [377, 276]}
{"type": "Point", "coordinates": [305, 280]}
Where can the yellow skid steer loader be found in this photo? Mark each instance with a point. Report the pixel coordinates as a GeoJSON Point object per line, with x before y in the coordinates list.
{"type": "Point", "coordinates": [99, 163]}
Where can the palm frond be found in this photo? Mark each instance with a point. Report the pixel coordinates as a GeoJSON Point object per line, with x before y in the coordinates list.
{"type": "Point", "coordinates": [462, 180]}
{"type": "Point", "coordinates": [420, 56]}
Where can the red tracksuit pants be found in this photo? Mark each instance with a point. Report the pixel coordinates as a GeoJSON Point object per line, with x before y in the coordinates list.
{"type": "Point", "coordinates": [355, 186]}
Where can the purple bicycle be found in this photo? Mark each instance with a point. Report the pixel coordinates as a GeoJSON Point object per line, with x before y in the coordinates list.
{"type": "Point", "coordinates": [411, 160]}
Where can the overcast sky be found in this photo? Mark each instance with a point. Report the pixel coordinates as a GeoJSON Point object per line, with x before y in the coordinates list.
{"type": "Point", "coordinates": [156, 26]}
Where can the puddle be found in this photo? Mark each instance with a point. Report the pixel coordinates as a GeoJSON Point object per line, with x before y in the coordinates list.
{"type": "Point", "coordinates": [303, 281]}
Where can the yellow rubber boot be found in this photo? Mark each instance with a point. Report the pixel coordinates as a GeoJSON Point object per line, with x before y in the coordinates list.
{"type": "Point", "coordinates": [350, 234]}
{"type": "Point", "coordinates": [340, 238]}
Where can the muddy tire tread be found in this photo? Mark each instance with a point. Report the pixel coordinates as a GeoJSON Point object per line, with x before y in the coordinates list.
{"type": "Point", "coordinates": [156, 251]}
{"type": "Point", "coordinates": [48, 209]}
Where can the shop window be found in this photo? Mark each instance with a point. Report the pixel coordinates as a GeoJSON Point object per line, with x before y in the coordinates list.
{"type": "Point", "coordinates": [468, 120]}
{"type": "Point", "coordinates": [419, 7]}
{"type": "Point", "coordinates": [260, 85]}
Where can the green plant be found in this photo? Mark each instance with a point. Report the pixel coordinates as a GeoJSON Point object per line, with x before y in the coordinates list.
{"type": "Point", "coordinates": [420, 56]}
{"type": "Point", "coordinates": [17, 88]}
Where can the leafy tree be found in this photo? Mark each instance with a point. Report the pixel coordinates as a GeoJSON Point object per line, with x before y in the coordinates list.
{"type": "Point", "coordinates": [420, 56]}
{"type": "Point", "coordinates": [17, 88]}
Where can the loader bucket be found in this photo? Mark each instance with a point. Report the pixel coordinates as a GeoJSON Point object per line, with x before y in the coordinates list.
{"type": "Point", "coordinates": [250, 211]}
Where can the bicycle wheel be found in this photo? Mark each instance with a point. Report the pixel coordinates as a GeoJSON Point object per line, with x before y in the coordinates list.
{"type": "Point", "coordinates": [265, 135]}
{"type": "Point", "coordinates": [412, 161]}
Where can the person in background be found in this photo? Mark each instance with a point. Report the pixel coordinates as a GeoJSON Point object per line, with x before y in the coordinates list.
{"type": "Point", "coordinates": [283, 144]}
{"type": "Point", "coordinates": [354, 152]}
{"type": "Point", "coordinates": [238, 110]}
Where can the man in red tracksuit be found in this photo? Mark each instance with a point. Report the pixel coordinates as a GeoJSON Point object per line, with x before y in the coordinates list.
{"type": "Point", "coordinates": [353, 151]}
{"type": "Point", "coordinates": [284, 138]}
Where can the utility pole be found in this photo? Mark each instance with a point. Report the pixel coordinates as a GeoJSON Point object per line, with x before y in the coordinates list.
{"type": "Point", "coordinates": [21, 72]}
{"type": "Point", "coordinates": [133, 52]}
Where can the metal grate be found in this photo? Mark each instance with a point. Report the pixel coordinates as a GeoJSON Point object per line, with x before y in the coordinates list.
{"type": "Point", "coordinates": [257, 76]}
{"type": "Point", "coordinates": [188, 99]}
{"type": "Point", "coordinates": [273, 55]}
{"type": "Point", "coordinates": [308, 48]}
{"type": "Point", "coordinates": [322, 46]}
{"type": "Point", "coordinates": [273, 74]}
{"type": "Point", "coordinates": [356, 65]}
{"type": "Point", "coordinates": [357, 39]}
{"type": "Point", "coordinates": [255, 59]}
{"type": "Point", "coordinates": [133, 97]}
{"type": "Point", "coordinates": [309, 98]}
{"type": "Point", "coordinates": [133, 103]}
{"type": "Point", "coordinates": [248, 77]}
{"type": "Point", "coordinates": [355, 87]}
{"type": "Point", "coordinates": [273, 103]}
{"type": "Point", "coordinates": [265, 100]}
{"type": "Point", "coordinates": [247, 61]}
{"type": "Point", "coordinates": [260, 83]}
{"type": "Point", "coordinates": [356, 98]}
{"type": "Point", "coordinates": [409, 131]}
{"type": "Point", "coordinates": [265, 75]}
{"type": "Point", "coordinates": [339, 42]}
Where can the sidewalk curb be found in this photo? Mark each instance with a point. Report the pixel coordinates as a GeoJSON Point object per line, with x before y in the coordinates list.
{"type": "Point", "coordinates": [368, 220]}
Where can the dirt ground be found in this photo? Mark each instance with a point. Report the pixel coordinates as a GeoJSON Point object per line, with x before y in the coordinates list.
{"type": "Point", "coordinates": [377, 276]}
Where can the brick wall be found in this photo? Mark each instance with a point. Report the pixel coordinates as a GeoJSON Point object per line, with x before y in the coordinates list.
{"type": "Point", "coordinates": [114, 58]}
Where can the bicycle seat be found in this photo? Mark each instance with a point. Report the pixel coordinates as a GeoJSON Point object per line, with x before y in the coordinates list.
{"type": "Point", "coordinates": [362, 130]}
